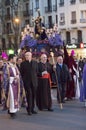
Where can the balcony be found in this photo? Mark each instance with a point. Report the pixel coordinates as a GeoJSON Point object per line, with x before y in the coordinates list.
{"type": "Point", "coordinates": [28, 13]}
{"type": "Point", "coordinates": [10, 31]}
{"type": "Point", "coordinates": [36, 9]}
{"type": "Point", "coordinates": [48, 9]}
{"type": "Point", "coordinates": [73, 21]}
{"type": "Point", "coordinates": [73, 2]}
{"type": "Point", "coordinates": [82, 1]}
{"type": "Point", "coordinates": [31, 12]}
{"type": "Point", "coordinates": [8, 17]}
{"type": "Point", "coordinates": [83, 20]}
{"type": "Point", "coordinates": [50, 25]}
{"type": "Point", "coordinates": [7, 3]}
{"type": "Point", "coordinates": [61, 4]}
{"type": "Point", "coordinates": [62, 23]}
{"type": "Point", "coordinates": [25, 0]}
{"type": "Point", "coordinates": [54, 7]}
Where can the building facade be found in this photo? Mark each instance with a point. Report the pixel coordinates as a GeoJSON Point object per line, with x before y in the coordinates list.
{"type": "Point", "coordinates": [9, 11]}
{"type": "Point", "coordinates": [48, 11]}
{"type": "Point", "coordinates": [72, 20]}
{"type": "Point", "coordinates": [25, 11]}
{"type": "Point", "coordinates": [69, 14]}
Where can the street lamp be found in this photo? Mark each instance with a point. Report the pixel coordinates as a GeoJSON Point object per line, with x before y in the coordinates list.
{"type": "Point", "coordinates": [17, 20]}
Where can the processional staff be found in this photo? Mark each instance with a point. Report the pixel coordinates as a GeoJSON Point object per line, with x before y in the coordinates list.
{"type": "Point", "coordinates": [61, 105]}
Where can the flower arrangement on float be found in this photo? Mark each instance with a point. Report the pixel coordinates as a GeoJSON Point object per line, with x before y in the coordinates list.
{"type": "Point", "coordinates": [38, 38]}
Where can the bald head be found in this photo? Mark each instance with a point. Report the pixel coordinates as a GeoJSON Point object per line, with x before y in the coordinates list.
{"type": "Point", "coordinates": [43, 58]}
{"type": "Point", "coordinates": [28, 56]}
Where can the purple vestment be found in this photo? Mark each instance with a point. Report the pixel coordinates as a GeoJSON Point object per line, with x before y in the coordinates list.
{"type": "Point", "coordinates": [83, 85]}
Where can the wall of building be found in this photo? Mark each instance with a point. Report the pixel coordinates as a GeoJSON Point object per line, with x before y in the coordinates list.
{"type": "Point", "coordinates": [72, 28]}
{"type": "Point", "coordinates": [66, 9]}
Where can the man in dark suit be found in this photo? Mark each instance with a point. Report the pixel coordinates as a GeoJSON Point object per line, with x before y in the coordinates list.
{"type": "Point", "coordinates": [28, 71]}
{"type": "Point", "coordinates": [62, 76]}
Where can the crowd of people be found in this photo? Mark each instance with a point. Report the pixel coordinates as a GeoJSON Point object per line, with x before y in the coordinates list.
{"type": "Point", "coordinates": [27, 82]}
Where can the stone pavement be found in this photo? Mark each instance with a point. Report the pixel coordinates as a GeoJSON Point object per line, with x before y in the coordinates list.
{"type": "Point", "coordinates": [71, 117]}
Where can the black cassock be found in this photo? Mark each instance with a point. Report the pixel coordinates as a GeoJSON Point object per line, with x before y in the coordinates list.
{"type": "Point", "coordinates": [43, 92]}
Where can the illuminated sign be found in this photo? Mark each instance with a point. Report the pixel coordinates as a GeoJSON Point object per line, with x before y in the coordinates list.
{"type": "Point", "coordinates": [10, 51]}
{"type": "Point", "coordinates": [84, 45]}
{"type": "Point", "coordinates": [71, 46]}
{"type": "Point", "coordinates": [75, 46]}
{"type": "Point", "coordinates": [81, 45]}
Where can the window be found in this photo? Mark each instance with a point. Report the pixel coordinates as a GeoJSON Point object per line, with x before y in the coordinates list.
{"type": "Point", "coordinates": [50, 21]}
{"type": "Point", "coordinates": [7, 2]}
{"type": "Point", "coordinates": [3, 44]}
{"type": "Point", "coordinates": [56, 2]}
{"type": "Point", "coordinates": [8, 11]}
{"type": "Point", "coordinates": [37, 4]}
{"type": "Point", "coordinates": [56, 18]}
{"type": "Point", "coordinates": [68, 37]}
{"type": "Point", "coordinates": [27, 22]}
{"type": "Point", "coordinates": [73, 17]}
{"type": "Point", "coordinates": [61, 3]}
{"type": "Point", "coordinates": [26, 12]}
{"type": "Point", "coordinates": [49, 3]}
{"type": "Point", "coordinates": [73, 14]}
{"type": "Point", "coordinates": [62, 17]}
{"type": "Point", "coordinates": [9, 30]}
{"type": "Point", "coordinates": [73, 1]}
{"type": "Point", "coordinates": [27, 6]}
{"type": "Point", "coordinates": [82, 1]}
{"type": "Point", "coordinates": [83, 14]}
{"type": "Point", "coordinates": [55, 6]}
{"type": "Point", "coordinates": [79, 36]}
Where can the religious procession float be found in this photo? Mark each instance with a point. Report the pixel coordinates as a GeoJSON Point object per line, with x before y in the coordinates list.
{"type": "Point", "coordinates": [38, 39]}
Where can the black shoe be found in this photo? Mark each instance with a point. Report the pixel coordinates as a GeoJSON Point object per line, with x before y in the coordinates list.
{"type": "Point", "coordinates": [29, 113]}
{"type": "Point", "coordinates": [40, 109]}
{"type": "Point", "coordinates": [34, 112]}
{"type": "Point", "coordinates": [49, 109]}
{"type": "Point", "coordinates": [12, 115]}
{"type": "Point", "coordinates": [8, 112]}
{"type": "Point", "coordinates": [23, 105]}
{"type": "Point", "coordinates": [63, 101]}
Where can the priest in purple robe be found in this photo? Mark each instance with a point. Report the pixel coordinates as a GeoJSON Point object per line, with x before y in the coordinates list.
{"type": "Point", "coordinates": [12, 87]}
